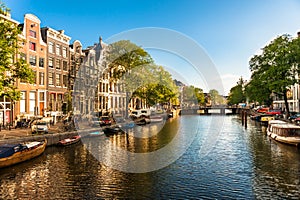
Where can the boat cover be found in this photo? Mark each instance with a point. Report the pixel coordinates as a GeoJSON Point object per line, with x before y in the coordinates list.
{"type": "Point", "coordinates": [7, 150]}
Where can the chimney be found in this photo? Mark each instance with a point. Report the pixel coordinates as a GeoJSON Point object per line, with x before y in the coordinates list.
{"type": "Point", "coordinates": [100, 40]}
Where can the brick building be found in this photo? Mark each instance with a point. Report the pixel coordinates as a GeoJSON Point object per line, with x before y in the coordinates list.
{"type": "Point", "coordinates": [34, 51]}
{"type": "Point", "coordinates": [58, 67]}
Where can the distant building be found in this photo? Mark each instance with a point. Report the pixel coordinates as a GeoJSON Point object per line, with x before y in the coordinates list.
{"type": "Point", "coordinates": [76, 60]}
{"type": "Point", "coordinates": [99, 92]}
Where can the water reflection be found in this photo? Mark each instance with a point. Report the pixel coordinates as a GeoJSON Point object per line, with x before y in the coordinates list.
{"type": "Point", "coordinates": [277, 167]}
{"type": "Point", "coordinates": [243, 164]}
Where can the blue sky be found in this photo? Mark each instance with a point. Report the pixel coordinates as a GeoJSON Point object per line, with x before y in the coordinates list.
{"type": "Point", "coordinates": [229, 31]}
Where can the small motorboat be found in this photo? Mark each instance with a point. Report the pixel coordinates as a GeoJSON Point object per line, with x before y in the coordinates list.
{"type": "Point", "coordinates": [11, 154]}
{"type": "Point", "coordinates": [69, 141]}
{"type": "Point", "coordinates": [156, 118]}
{"type": "Point", "coordinates": [142, 121]}
{"type": "Point", "coordinates": [111, 130]}
{"type": "Point", "coordinates": [95, 134]}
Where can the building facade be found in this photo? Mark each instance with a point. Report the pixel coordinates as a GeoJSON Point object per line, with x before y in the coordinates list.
{"type": "Point", "coordinates": [76, 60]}
{"type": "Point", "coordinates": [34, 51]}
{"type": "Point", "coordinates": [58, 57]}
{"type": "Point", "coordinates": [7, 113]}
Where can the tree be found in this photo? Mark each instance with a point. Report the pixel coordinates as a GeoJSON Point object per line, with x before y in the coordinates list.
{"type": "Point", "coordinates": [157, 85]}
{"type": "Point", "coordinates": [126, 62]}
{"type": "Point", "coordinates": [193, 96]}
{"type": "Point", "coordinates": [215, 97]}
{"type": "Point", "coordinates": [276, 69]}
{"type": "Point", "coordinates": [11, 67]}
{"type": "Point", "coordinates": [124, 56]}
{"type": "Point", "coordinates": [237, 94]}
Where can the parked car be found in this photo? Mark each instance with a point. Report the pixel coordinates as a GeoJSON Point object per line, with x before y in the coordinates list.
{"type": "Point", "coordinates": [105, 121]}
{"type": "Point", "coordinates": [274, 112]}
{"type": "Point", "coordinates": [119, 119]}
{"type": "Point", "coordinates": [294, 116]}
{"type": "Point", "coordinates": [135, 114]}
{"type": "Point", "coordinates": [145, 112]}
{"type": "Point", "coordinates": [263, 110]}
{"type": "Point", "coordinates": [40, 127]}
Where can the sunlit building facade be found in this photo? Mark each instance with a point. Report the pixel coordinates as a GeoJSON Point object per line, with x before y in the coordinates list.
{"type": "Point", "coordinates": [34, 51]}
{"type": "Point", "coordinates": [57, 67]}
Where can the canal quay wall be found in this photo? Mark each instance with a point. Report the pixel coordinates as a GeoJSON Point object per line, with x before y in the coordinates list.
{"type": "Point", "coordinates": [52, 138]}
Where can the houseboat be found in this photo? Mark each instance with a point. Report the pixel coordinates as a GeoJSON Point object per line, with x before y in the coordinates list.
{"type": "Point", "coordinates": [284, 132]}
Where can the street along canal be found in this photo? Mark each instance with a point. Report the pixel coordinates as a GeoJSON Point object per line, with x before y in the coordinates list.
{"type": "Point", "coordinates": [223, 161]}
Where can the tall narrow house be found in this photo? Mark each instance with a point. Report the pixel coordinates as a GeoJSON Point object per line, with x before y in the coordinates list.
{"type": "Point", "coordinates": [34, 51]}
{"type": "Point", "coordinates": [58, 68]}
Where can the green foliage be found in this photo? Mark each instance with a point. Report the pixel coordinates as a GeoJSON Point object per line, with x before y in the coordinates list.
{"type": "Point", "coordinates": [124, 56]}
{"type": "Point", "coordinates": [275, 69]}
{"type": "Point", "coordinates": [133, 67]}
{"type": "Point", "coordinates": [237, 94]}
{"type": "Point", "coordinates": [193, 96]}
{"type": "Point", "coordinates": [216, 98]}
{"type": "Point", "coordinates": [154, 84]}
{"type": "Point", "coordinates": [11, 68]}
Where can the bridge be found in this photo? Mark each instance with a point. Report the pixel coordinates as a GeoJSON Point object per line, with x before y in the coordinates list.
{"type": "Point", "coordinates": [211, 110]}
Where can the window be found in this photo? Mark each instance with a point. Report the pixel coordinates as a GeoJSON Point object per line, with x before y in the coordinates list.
{"type": "Point", "coordinates": [59, 97]}
{"type": "Point", "coordinates": [32, 60]}
{"type": "Point", "coordinates": [41, 62]}
{"type": "Point", "coordinates": [64, 52]}
{"type": "Point", "coordinates": [50, 47]}
{"type": "Point", "coordinates": [57, 64]}
{"type": "Point", "coordinates": [23, 102]}
{"type": "Point", "coordinates": [58, 50]}
{"type": "Point", "coordinates": [51, 81]}
{"type": "Point", "coordinates": [42, 78]}
{"type": "Point", "coordinates": [50, 62]}
{"type": "Point", "coordinates": [32, 102]}
{"type": "Point", "coordinates": [32, 46]}
{"type": "Point", "coordinates": [52, 97]}
{"type": "Point", "coordinates": [58, 80]}
{"type": "Point", "coordinates": [65, 80]}
{"type": "Point", "coordinates": [65, 65]}
{"type": "Point", "coordinates": [32, 33]}
{"type": "Point", "coordinates": [23, 56]}
{"type": "Point", "coordinates": [42, 96]}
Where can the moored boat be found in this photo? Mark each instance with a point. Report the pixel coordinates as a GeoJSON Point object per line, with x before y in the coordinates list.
{"type": "Point", "coordinates": [284, 132]}
{"type": "Point", "coordinates": [13, 154]}
{"type": "Point", "coordinates": [142, 121]}
{"type": "Point", "coordinates": [111, 130]}
{"type": "Point", "coordinates": [128, 125]}
{"type": "Point", "coordinates": [156, 118]}
{"type": "Point", "coordinates": [96, 133]}
{"type": "Point", "coordinates": [264, 119]}
{"type": "Point", "coordinates": [69, 141]}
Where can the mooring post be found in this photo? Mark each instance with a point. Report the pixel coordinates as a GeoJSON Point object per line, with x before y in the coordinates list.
{"type": "Point", "coordinates": [242, 117]}
{"type": "Point", "coordinates": [245, 119]}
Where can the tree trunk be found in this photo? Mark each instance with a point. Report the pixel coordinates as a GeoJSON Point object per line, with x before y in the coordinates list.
{"type": "Point", "coordinates": [287, 109]}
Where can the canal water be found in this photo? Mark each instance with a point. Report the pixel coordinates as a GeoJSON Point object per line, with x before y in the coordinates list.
{"type": "Point", "coordinates": [220, 160]}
